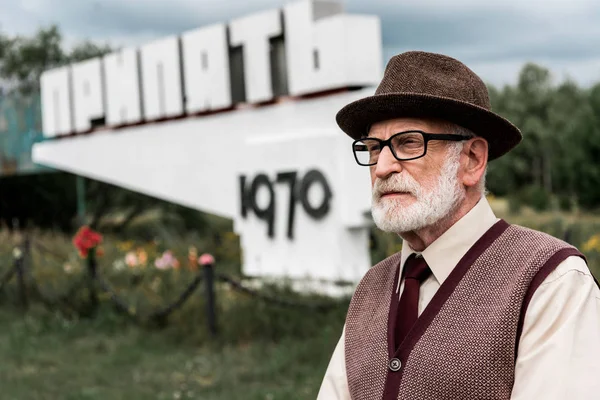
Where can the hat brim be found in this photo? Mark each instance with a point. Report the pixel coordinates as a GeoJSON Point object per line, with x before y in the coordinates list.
{"type": "Point", "coordinates": [356, 118]}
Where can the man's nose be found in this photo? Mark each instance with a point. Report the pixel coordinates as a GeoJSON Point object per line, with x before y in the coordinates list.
{"type": "Point", "coordinates": [387, 164]}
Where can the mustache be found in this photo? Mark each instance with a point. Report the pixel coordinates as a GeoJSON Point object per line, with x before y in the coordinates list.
{"type": "Point", "coordinates": [396, 183]}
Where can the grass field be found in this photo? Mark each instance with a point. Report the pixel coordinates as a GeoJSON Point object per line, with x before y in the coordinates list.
{"type": "Point", "coordinates": [46, 357]}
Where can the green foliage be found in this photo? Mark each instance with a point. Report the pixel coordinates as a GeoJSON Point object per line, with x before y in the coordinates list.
{"type": "Point", "coordinates": [131, 270]}
{"type": "Point", "coordinates": [532, 196]}
{"type": "Point", "coordinates": [566, 203]}
{"type": "Point", "coordinates": [23, 59]}
{"type": "Point", "coordinates": [561, 142]}
{"type": "Point", "coordinates": [87, 50]}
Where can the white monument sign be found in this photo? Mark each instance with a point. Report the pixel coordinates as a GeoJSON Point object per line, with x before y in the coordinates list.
{"type": "Point", "coordinates": [299, 208]}
{"type": "Point", "coordinates": [87, 93]}
{"type": "Point", "coordinates": [269, 159]}
{"type": "Point", "coordinates": [206, 65]}
{"type": "Point", "coordinates": [122, 87]}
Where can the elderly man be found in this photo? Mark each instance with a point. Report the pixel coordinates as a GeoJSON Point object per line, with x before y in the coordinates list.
{"type": "Point", "coordinates": [472, 307]}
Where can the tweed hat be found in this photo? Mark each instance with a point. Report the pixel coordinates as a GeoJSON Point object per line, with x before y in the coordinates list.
{"type": "Point", "coordinates": [417, 84]}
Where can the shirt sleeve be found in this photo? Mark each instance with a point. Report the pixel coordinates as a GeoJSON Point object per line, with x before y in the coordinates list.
{"type": "Point", "coordinates": [559, 349]}
{"type": "Point", "coordinates": [335, 382]}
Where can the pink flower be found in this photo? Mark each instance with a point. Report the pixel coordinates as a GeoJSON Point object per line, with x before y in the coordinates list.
{"type": "Point", "coordinates": [131, 259]}
{"type": "Point", "coordinates": [160, 264]}
{"type": "Point", "coordinates": [206, 259]}
{"type": "Point", "coordinates": [166, 261]}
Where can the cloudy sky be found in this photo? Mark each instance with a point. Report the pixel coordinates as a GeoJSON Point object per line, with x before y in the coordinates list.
{"type": "Point", "coordinates": [493, 37]}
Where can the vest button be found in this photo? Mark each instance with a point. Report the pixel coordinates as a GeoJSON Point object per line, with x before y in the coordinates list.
{"type": "Point", "coordinates": [395, 365]}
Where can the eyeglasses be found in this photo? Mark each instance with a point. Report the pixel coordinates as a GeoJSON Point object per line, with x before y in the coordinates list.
{"type": "Point", "coordinates": [405, 146]}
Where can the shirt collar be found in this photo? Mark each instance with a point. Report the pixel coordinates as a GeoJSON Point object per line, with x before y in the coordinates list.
{"type": "Point", "coordinates": [446, 251]}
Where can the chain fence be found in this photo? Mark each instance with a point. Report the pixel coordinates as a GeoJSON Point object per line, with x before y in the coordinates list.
{"type": "Point", "coordinates": [29, 289]}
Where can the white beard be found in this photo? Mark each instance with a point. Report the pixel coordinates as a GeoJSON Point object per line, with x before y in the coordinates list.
{"type": "Point", "coordinates": [430, 206]}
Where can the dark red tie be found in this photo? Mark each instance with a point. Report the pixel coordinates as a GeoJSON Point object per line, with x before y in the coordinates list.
{"type": "Point", "coordinates": [415, 271]}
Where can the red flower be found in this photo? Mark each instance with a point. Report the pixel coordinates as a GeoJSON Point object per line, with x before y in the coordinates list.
{"type": "Point", "coordinates": [85, 240]}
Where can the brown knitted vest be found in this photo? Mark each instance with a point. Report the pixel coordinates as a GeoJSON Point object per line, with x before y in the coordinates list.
{"type": "Point", "coordinates": [464, 344]}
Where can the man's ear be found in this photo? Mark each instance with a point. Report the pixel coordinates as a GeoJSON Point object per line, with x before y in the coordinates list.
{"type": "Point", "coordinates": [476, 152]}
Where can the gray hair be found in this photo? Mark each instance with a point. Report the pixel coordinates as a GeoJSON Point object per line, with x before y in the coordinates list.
{"type": "Point", "coordinates": [456, 147]}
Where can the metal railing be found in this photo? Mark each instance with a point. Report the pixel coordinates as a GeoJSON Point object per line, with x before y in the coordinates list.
{"type": "Point", "coordinates": [30, 290]}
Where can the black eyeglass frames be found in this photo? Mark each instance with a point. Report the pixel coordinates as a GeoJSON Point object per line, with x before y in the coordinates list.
{"type": "Point", "coordinates": [408, 145]}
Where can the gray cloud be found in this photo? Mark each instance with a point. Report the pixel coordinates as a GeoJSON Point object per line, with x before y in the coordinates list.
{"type": "Point", "coordinates": [493, 35]}
{"type": "Point", "coordinates": [563, 33]}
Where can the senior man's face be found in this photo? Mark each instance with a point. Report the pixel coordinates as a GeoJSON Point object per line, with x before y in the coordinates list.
{"type": "Point", "coordinates": [411, 195]}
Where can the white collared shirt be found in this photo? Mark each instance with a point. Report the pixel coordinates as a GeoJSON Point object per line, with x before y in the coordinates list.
{"type": "Point", "coordinates": [559, 349]}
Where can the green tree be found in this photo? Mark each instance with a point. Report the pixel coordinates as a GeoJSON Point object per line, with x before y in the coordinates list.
{"type": "Point", "coordinates": [512, 171]}
{"type": "Point", "coordinates": [568, 105]}
{"type": "Point", "coordinates": [535, 94]}
{"type": "Point", "coordinates": [561, 140]}
{"type": "Point", "coordinates": [583, 136]}
{"type": "Point", "coordinates": [23, 59]}
{"type": "Point", "coordinates": [86, 50]}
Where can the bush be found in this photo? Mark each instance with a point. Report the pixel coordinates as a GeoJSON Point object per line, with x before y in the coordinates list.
{"type": "Point", "coordinates": [533, 196]}
{"type": "Point", "coordinates": [565, 203]}
{"type": "Point", "coordinates": [515, 204]}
